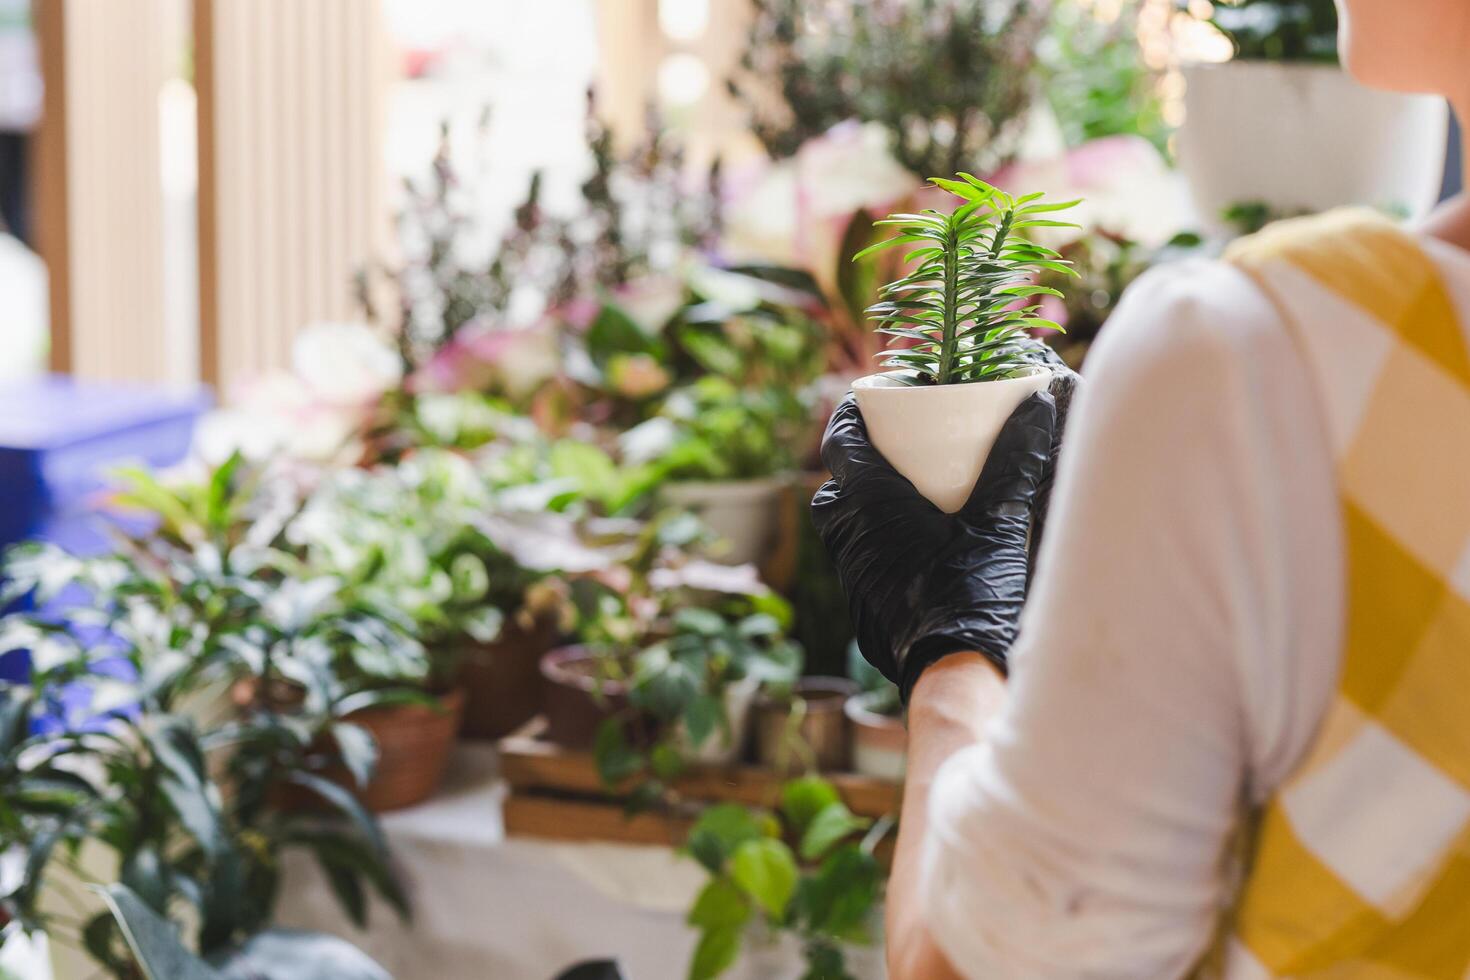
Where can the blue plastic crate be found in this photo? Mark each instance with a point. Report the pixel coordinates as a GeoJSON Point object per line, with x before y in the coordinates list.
{"type": "Point", "coordinates": [58, 439]}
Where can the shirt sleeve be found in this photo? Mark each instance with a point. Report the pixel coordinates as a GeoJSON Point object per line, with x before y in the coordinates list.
{"type": "Point", "coordinates": [1176, 655]}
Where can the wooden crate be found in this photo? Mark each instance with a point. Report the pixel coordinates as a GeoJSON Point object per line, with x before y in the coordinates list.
{"type": "Point", "coordinates": [556, 794]}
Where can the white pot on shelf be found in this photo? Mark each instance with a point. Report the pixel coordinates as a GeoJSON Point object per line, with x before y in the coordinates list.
{"type": "Point", "coordinates": [745, 514]}
{"type": "Point", "coordinates": [939, 435]}
{"type": "Point", "coordinates": [1306, 137]}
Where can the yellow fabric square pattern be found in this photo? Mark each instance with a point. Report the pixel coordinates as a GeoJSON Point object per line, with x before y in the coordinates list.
{"type": "Point", "coordinates": [1360, 869]}
{"type": "Point", "coordinates": [1295, 915]}
{"type": "Point", "coordinates": [1391, 601]}
{"type": "Point", "coordinates": [1429, 709]}
{"type": "Point", "coordinates": [1402, 468]}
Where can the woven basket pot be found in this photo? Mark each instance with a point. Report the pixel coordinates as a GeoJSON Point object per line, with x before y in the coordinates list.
{"type": "Point", "coordinates": [414, 742]}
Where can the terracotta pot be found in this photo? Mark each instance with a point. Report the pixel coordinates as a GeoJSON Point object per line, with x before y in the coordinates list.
{"type": "Point", "coordinates": [879, 742]}
{"type": "Point", "coordinates": [502, 680]}
{"type": "Point", "coordinates": [576, 700]}
{"type": "Point", "coordinates": [822, 728]}
{"type": "Point", "coordinates": [414, 742]}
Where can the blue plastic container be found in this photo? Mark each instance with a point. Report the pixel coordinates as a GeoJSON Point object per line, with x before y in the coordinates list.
{"type": "Point", "coordinates": [58, 439]}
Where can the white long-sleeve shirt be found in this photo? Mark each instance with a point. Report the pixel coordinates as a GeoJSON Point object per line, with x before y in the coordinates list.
{"type": "Point", "coordinates": [1177, 653]}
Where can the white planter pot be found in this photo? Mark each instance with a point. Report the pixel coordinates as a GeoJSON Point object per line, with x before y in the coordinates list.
{"type": "Point", "coordinates": [1305, 137]}
{"type": "Point", "coordinates": [939, 435]}
{"type": "Point", "coordinates": [879, 742]}
{"type": "Point", "coordinates": [743, 513]}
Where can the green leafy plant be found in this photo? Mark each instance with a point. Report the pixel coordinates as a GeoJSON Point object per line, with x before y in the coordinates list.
{"type": "Point", "coordinates": [1096, 79]}
{"type": "Point", "coordinates": [951, 80]}
{"type": "Point", "coordinates": [680, 686]}
{"type": "Point", "coordinates": [807, 869]}
{"type": "Point", "coordinates": [191, 802]}
{"type": "Point", "coordinates": [958, 313]}
{"type": "Point", "coordinates": [404, 540]}
{"type": "Point", "coordinates": [1279, 30]}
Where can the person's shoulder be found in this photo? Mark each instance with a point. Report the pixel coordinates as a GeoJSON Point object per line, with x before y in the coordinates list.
{"type": "Point", "coordinates": [1192, 315]}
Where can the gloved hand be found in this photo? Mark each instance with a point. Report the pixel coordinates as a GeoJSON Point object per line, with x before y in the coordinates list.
{"type": "Point", "coordinates": [1064, 384]}
{"type": "Point", "coordinates": [921, 583]}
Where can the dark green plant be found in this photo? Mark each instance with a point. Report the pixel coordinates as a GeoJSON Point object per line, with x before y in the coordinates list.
{"type": "Point", "coordinates": [1279, 30]}
{"type": "Point", "coordinates": [951, 80]}
{"type": "Point", "coordinates": [958, 313]}
{"type": "Point", "coordinates": [807, 869]}
{"type": "Point", "coordinates": [193, 811]}
{"type": "Point", "coordinates": [679, 685]}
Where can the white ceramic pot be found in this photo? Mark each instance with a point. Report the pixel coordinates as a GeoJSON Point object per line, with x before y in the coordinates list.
{"type": "Point", "coordinates": [743, 513]}
{"type": "Point", "coordinates": [939, 435]}
{"type": "Point", "coordinates": [1306, 137]}
{"type": "Point", "coordinates": [879, 741]}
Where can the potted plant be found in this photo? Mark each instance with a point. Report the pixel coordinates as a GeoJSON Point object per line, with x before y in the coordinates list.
{"type": "Point", "coordinates": [734, 416]}
{"type": "Point", "coordinates": [670, 650]}
{"type": "Point", "coordinates": [689, 696]}
{"type": "Point", "coordinates": [1281, 124]}
{"type": "Point", "coordinates": [806, 870]}
{"type": "Point", "coordinates": [802, 727]}
{"type": "Point", "coordinates": [126, 753]}
{"type": "Point", "coordinates": [879, 738]}
{"type": "Point", "coordinates": [404, 539]}
{"type": "Point", "coordinates": [957, 325]}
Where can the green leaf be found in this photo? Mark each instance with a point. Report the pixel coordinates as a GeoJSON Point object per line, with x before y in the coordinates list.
{"type": "Point", "coordinates": [702, 717]}
{"type": "Point", "coordinates": [717, 833]}
{"type": "Point", "coordinates": [828, 828]}
{"type": "Point", "coordinates": [766, 869]}
{"type": "Point", "coordinates": [346, 804]}
{"type": "Point", "coordinates": [358, 751]}
{"type": "Point", "coordinates": [615, 759]}
{"type": "Point", "coordinates": [716, 952]}
{"type": "Point", "coordinates": [802, 799]}
{"type": "Point", "coordinates": [720, 903]}
{"type": "Point", "coordinates": [153, 940]}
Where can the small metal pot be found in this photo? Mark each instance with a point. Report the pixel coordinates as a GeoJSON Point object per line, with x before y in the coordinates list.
{"type": "Point", "coordinates": [809, 730]}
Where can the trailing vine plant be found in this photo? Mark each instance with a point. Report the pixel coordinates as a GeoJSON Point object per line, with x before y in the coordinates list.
{"type": "Point", "coordinates": [958, 316]}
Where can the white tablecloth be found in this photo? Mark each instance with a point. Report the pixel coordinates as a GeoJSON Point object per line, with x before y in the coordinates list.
{"type": "Point", "coordinates": [488, 908]}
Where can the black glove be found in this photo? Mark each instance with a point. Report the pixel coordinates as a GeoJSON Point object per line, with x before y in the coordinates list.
{"type": "Point", "coordinates": [1064, 385]}
{"type": "Point", "coordinates": [921, 583]}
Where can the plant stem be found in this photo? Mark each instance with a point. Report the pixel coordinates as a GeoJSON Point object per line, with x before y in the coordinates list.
{"type": "Point", "coordinates": [950, 339]}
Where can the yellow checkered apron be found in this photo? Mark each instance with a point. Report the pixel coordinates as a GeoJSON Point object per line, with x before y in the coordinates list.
{"type": "Point", "coordinates": [1360, 863]}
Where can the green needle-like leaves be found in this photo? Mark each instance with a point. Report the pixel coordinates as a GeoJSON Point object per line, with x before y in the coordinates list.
{"type": "Point", "coordinates": [955, 318]}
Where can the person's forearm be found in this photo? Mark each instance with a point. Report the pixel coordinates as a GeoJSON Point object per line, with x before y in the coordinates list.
{"type": "Point", "coordinates": [949, 707]}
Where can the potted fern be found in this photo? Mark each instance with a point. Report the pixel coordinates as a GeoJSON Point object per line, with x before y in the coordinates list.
{"type": "Point", "coordinates": [957, 325]}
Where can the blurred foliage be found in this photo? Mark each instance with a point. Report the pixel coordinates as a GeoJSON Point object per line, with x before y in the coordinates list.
{"type": "Point", "coordinates": [1279, 30]}
{"type": "Point", "coordinates": [1096, 80]}
{"type": "Point", "coordinates": [637, 215]}
{"type": "Point", "coordinates": [806, 869]}
{"type": "Point", "coordinates": [951, 80]}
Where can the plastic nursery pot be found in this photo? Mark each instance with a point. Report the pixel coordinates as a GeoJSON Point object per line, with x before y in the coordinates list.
{"type": "Point", "coordinates": [879, 741]}
{"type": "Point", "coordinates": [576, 698]}
{"type": "Point", "coordinates": [939, 435]}
{"type": "Point", "coordinates": [414, 743]}
{"type": "Point", "coordinates": [745, 514]}
{"type": "Point", "coordinates": [819, 737]}
{"type": "Point", "coordinates": [502, 680]}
